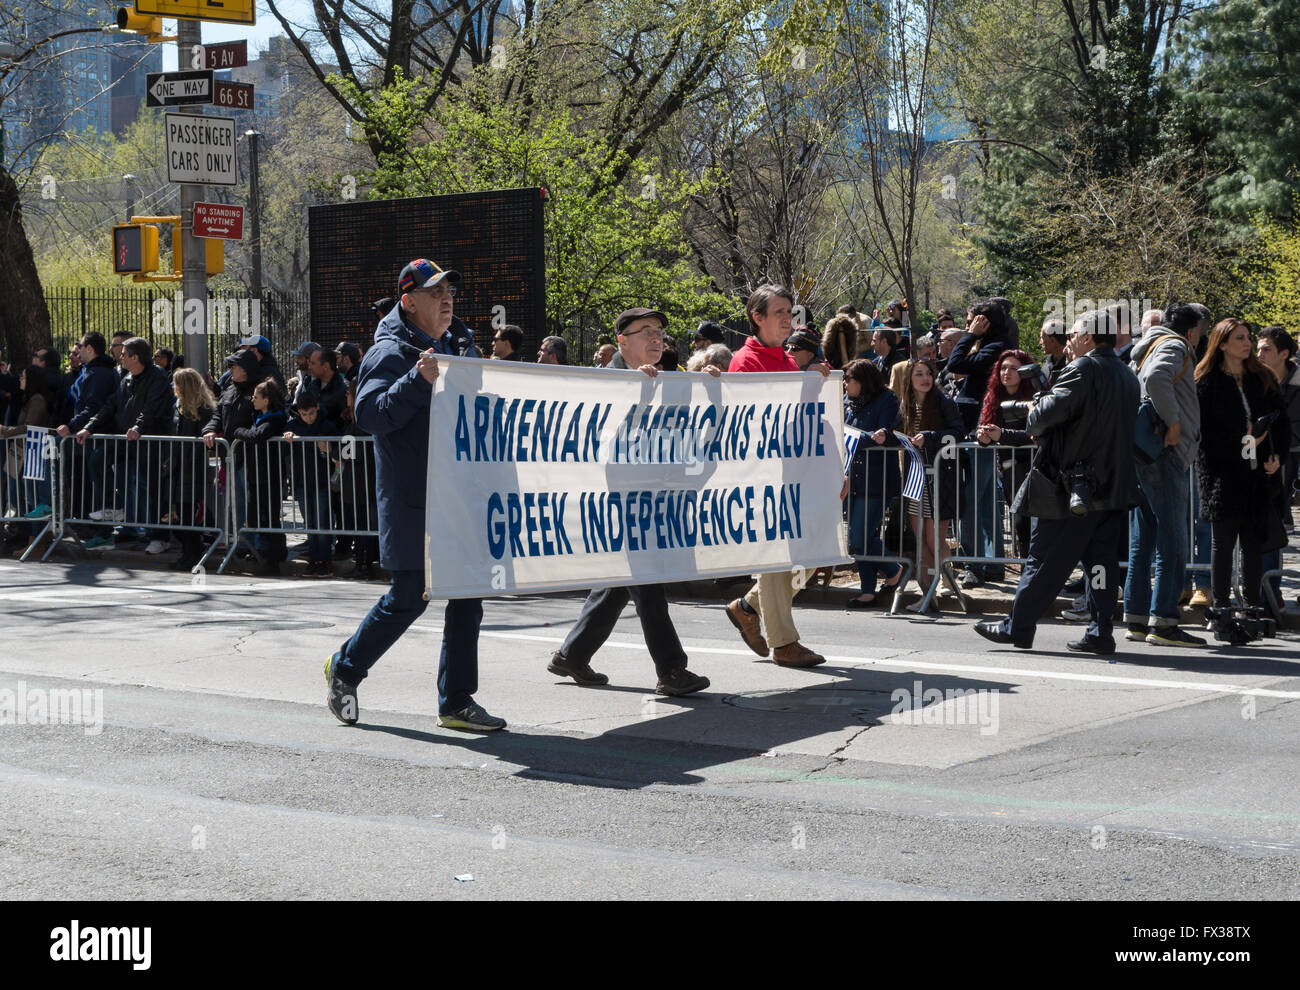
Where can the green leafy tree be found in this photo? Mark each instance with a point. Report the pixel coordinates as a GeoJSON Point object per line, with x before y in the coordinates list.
{"type": "Point", "coordinates": [609, 244]}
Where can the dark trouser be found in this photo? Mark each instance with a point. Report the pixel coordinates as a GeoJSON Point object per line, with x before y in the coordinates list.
{"type": "Point", "coordinates": [1055, 546]}
{"type": "Point", "coordinates": [601, 611]}
{"type": "Point", "coordinates": [393, 614]}
{"type": "Point", "coordinates": [1225, 533]}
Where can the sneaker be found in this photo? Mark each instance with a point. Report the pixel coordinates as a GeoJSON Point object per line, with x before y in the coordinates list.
{"type": "Point", "coordinates": [38, 512]}
{"type": "Point", "coordinates": [969, 579]}
{"type": "Point", "coordinates": [97, 542]}
{"type": "Point", "coordinates": [562, 666]}
{"type": "Point", "coordinates": [1092, 644]}
{"type": "Point", "coordinates": [340, 696]}
{"type": "Point", "coordinates": [321, 569]}
{"type": "Point", "coordinates": [1172, 636]}
{"type": "Point", "coordinates": [680, 681]}
{"type": "Point", "coordinates": [109, 515]}
{"type": "Point", "coordinates": [1076, 614]}
{"type": "Point", "coordinates": [1137, 632]}
{"type": "Point", "coordinates": [1200, 599]}
{"type": "Point", "coordinates": [155, 547]}
{"type": "Point", "coordinates": [748, 626]}
{"type": "Point", "coordinates": [472, 718]}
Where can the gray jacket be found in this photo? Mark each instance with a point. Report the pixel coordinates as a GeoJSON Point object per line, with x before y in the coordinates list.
{"type": "Point", "coordinates": [1175, 401]}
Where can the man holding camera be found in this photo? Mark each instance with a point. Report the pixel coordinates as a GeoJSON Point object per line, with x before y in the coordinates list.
{"type": "Point", "coordinates": [1080, 488]}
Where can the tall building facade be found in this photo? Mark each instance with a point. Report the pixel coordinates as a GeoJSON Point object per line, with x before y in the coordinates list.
{"type": "Point", "coordinates": [90, 79]}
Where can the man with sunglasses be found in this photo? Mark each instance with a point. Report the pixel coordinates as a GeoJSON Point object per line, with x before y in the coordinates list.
{"type": "Point", "coordinates": [393, 395]}
{"type": "Point", "coordinates": [506, 343]}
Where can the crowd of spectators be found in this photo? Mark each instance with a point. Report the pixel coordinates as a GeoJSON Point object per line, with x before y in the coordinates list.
{"type": "Point", "coordinates": [1218, 479]}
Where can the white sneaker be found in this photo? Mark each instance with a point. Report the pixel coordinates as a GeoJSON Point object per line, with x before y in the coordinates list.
{"type": "Point", "coordinates": [155, 546]}
{"type": "Point", "coordinates": [108, 515]}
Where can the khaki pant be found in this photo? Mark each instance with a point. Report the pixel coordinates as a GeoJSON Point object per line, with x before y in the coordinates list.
{"type": "Point", "coordinates": [772, 597]}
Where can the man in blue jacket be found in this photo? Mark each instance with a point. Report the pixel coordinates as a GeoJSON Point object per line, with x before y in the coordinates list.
{"type": "Point", "coordinates": [96, 384]}
{"type": "Point", "coordinates": [396, 387]}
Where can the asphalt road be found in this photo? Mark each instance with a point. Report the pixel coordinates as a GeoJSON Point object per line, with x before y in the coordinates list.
{"type": "Point", "coordinates": [217, 772]}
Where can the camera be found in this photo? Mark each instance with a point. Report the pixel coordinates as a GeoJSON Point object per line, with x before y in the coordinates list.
{"type": "Point", "coordinates": [1076, 479]}
{"type": "Point", "coordinates": [1246, 626]}
{"type": "Point", "coordinates": [1030, 373]}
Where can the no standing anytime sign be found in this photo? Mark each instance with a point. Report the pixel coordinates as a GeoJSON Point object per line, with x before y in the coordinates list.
{"type": "Point", "coordinates": [201, 150]}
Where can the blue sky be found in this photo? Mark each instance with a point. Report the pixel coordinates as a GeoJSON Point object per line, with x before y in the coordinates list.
{"type": "Point", "coordinates": [297, 11]}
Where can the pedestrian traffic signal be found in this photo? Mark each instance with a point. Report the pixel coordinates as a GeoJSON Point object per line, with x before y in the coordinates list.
{"type": "Point", "coordinates": [135, 248]}
{"type": "Point", "coordinates": [132, 21]}
{"type": "Point", "coordinates": [214, 259]}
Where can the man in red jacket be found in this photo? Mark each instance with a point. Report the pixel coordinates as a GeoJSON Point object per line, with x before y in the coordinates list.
{"type": "Point", "coordinates": [769, 603]}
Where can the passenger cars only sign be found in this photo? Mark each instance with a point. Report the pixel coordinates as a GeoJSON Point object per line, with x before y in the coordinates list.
{"type": "Point", "coordinates": [201, 150]}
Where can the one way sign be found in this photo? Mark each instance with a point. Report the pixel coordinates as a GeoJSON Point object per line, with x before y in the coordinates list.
{"type": "Point", "coordinates": [177, 89]}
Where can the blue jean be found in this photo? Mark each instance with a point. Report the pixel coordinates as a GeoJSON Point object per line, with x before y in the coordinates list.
{"type": "Point", "coordinates": [1158, 533]}
{"type": "Point", "coordinates": [393, 614]}
{"type": "Point", "coordinates": [1201, 540]}
{"type": "Point", "coordinates": [315, 504]}
{"type": "Point", "coordinates": [980, 525]}
{"type": "Point", "coordinates": [865, 516]}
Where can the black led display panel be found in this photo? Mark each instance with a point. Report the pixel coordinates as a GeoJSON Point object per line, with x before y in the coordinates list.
{"type": "Point", "coordinates": [494, 239]}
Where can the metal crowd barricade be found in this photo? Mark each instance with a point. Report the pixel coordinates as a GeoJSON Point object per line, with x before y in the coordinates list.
{"type": "Point", "coordinates": [1276, 605]}
{"type": "Point", "coordinates": [316, 486]}
{"type": "Point", "coordinates": [869, 513]}
{"type": "Point", "coordinates": [29, 503]}
{"type": "Point", "coordinates": [160, 484]}
{"type": "Point", "coordinates": [999, 492]}
{"type": "Point", "coordinates": [987, 477]}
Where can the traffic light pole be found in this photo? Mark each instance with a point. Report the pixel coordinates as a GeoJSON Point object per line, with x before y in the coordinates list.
{"type": "Point", "coordinates": [194, 279]}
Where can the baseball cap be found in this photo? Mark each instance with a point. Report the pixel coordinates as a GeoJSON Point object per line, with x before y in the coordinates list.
{"type": "Point", "coordinates": [803, 339]}
{"type": "Point", "coordinates": [709, 331]}
{"type": "Point", "coordinates": [306, 348]}
{"type": "Point", "coordinates": [630, 316]}
{"type": "Point", "coordinates": [422, 274]}
{"type": "Point", "coordinates": [261, 343]}
{"type": "Point", "coordinates": [350, 349]}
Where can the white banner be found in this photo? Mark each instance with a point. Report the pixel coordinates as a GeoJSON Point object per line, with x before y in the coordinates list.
{"type": "Point", "coordinates": [545, 478]}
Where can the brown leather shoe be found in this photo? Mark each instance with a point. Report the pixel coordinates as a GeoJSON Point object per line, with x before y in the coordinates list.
{"type": "Point", "coordinates": [747, 623]}
{"type": "Point", "coordinates": [796, 655]}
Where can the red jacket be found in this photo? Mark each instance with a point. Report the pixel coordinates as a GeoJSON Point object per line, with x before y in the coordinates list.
{"type": "Point", "coordinates": [753, 356]}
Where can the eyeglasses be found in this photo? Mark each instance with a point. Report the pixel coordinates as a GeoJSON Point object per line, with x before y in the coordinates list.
{"type": "Point", "coordinates": [649, 334]}
{"type": "Point", "coordinates": [437, 291]}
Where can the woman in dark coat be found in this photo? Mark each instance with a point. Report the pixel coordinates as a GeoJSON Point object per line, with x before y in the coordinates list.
{"type": "Point", "coordinates": [1007, 429]}
{"type": "Point", "coordinates": [929, 418]}
{"type": "Point", "coordinates": [195, 406]}
{"type": "Point", "coordinates": [1244, 430]}
{"type": "Point", "coordinates": [873, 478]}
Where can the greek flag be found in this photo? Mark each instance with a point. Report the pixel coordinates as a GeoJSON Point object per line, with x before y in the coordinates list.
{"type": "Point", "coordinates": [852, 437]}
{"type": "Point", "coordinates": [915, 485]}
{"type": "Point", "coordinates": [34, 460]}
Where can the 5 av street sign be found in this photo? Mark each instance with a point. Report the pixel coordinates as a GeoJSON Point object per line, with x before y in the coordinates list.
{"type": "Point", "coordinates": [177, 89]}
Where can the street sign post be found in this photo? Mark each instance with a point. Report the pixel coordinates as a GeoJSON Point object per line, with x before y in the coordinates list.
{"type": "Point", "coordinates": [201, 150]}
{"type": "Point", "coordinates": [177, 89]}
{"type": "Point", "coordinates": [232, 95]}
{"type": "Point", "coordinates": [228, 55]}
{"type": "Point", "coordinates": [227, 11]}
{"type": "Point", "coordinates": [219, 220]}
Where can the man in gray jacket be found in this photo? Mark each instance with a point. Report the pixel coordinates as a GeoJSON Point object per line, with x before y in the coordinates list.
{"type": "Point", "coordinates": [1165, 363]}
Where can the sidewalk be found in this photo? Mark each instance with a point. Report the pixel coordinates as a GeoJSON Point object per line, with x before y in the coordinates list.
{"type": "Point", "coordinates": [991, 598]}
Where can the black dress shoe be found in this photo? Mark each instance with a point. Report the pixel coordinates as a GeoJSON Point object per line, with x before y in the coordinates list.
{"type": "Point", "coordinates": [1092, 644]}
{"type": "Point", "coordinates": [993, 631]}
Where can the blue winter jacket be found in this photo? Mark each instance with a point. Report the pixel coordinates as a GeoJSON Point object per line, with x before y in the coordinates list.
{"type": "Point", "coordinates": [393, 405]}
{"type": "Point", "coordinates": [97, 384]}
{"type": "Point", "coordinates": [882, 479]}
